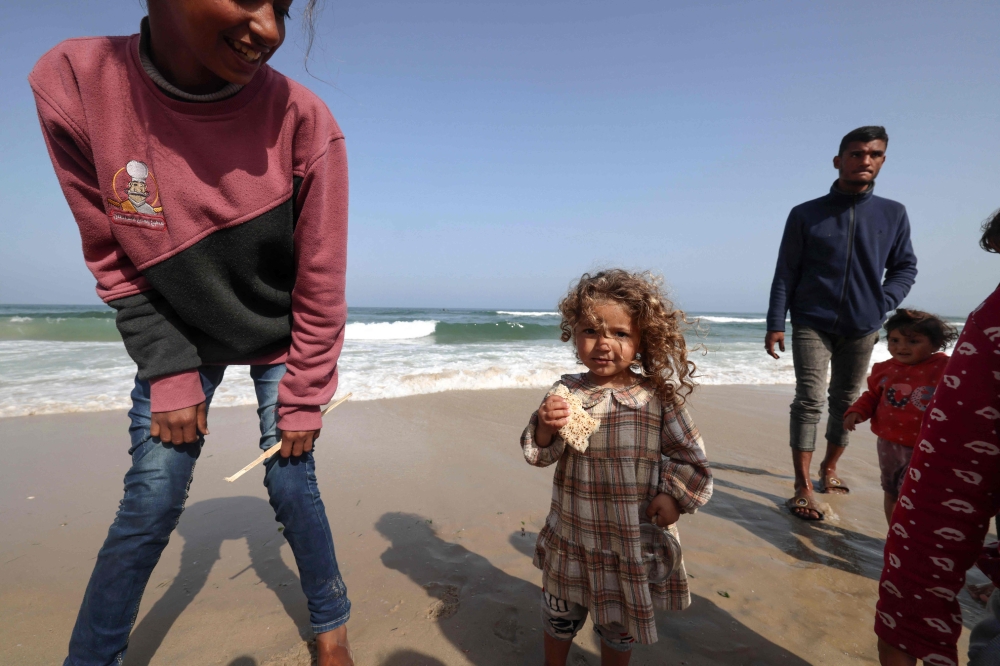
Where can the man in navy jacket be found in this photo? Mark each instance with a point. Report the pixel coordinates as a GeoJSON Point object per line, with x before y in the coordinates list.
{"type": "Point", "coordinates": [845, 261]}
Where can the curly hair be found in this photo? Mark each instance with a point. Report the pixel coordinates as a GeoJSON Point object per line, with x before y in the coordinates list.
{"type": "Point", "coordinates": [990, 240]}
{"type": "Point", "coordinates": [939, 332]}
{"type": "Point", "coordinates": [663, 353]}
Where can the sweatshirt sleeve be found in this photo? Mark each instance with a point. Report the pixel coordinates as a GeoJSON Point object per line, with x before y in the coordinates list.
{"type": "Point", "coordinates": [69, 150]}
{"type": "Point", "coordinates": [158, 341]}
{"type": "Point", "coordinates": [901, 267]}
{"type": "Point", "coordinates": [945, 506]}
{"type": "Point", "coordinates": [684, 470]}
{"type": "Point", "coordinates": [786, 274]}
{"type": "Point", "coordinates": [866, 405]}
{"type": "Point", "coordinates": [319, 307]}
{"type": "Point", "coordinates": [154, 336]}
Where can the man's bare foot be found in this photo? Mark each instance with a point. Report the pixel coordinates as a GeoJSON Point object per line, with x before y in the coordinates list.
{"type": "Point", "coordinates": [803, 505]}
{"type": "Point", "coordinates": [333, 649]}
{"type": "Point", "coordinates": [830, 482]}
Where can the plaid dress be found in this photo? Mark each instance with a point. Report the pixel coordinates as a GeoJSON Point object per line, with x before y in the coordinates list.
{"type": "Point", "coordinates": [590, 550]}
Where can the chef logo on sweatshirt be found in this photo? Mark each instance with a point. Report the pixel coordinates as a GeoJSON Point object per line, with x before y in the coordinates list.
{"type": "Point", "coordinates": [136, 199]}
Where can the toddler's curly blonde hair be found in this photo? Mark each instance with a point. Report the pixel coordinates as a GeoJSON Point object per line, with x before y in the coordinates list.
{"type": "Point", "coordinates": [663, 354]}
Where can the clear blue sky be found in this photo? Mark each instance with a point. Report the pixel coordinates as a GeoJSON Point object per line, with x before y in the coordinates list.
{"type": "Point", "coordinates": [499, 149]}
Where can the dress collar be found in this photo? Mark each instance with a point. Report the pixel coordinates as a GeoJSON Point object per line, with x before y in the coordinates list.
{"type": "Point", "coordinates": [635, 396]}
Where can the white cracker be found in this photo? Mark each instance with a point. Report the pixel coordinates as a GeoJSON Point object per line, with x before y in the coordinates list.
{"type": "Point", "coordinates": [581, 425]}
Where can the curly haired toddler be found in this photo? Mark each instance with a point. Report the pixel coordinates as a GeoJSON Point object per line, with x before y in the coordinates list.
{"type": "Point", "coordinates": [609, 546]}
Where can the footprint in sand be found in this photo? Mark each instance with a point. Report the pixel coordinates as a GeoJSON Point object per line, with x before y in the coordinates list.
{"type": "Point", "coordinates": [447, 601]}
{"type": "Point", "coordinates": [506, 627]}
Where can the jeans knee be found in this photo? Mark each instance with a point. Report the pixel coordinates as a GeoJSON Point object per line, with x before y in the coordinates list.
{"type": "Point", "coordinates": [287, 479]}
{"type": "Point", "coordinates": [156, 486]}
{"type": "Point", "coordinates": [806, 410]}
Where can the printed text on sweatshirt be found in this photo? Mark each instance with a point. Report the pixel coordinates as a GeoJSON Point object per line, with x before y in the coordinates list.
{"type": "Point", "coordinates": [218, 230]}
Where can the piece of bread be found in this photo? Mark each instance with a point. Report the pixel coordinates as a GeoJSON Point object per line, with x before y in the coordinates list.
{"type": "Point", "coordinates": [581, 425]}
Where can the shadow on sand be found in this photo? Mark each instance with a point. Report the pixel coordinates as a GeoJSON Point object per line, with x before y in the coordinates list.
{"type": "Point", "coordinates": [204, 526]}
{"type": "Point", "coordinates": [493, 617]}
{"type": "Point", "coordinates": [828, 544]}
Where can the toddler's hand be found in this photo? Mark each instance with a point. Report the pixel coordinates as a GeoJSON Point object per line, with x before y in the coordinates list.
{"type": "Point", "coordinates": [180, 426]}
{"type": "Point", "coordinates": [851, 421]}
{"type": "Point", "coordinates": [552, 415]}
{"type": "Point", "coordinates": [663, 510]}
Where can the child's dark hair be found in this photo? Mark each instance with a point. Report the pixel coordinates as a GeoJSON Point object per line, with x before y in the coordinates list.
{"type": "Point", "coordinates": [309, 15]}
{"type": "Point", "coordinates": [663, 355]}
{"type": "Point", "coordinates": [990, 240]}
{"type": "Point", "coordinates": [939, 332]}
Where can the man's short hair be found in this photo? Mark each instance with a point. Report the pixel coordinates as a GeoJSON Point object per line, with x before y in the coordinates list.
{"type": "Point", "coordinates": [864, 135]}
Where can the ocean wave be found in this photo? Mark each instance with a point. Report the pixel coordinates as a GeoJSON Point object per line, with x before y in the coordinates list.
{"type": "Point", "coordinates": [495, 332]}
{"type": "Point", "coordinates": [732, 320]}
{"type": "Point", "coordinates": [390, 330]}
{"type": "Point", "coordinates": [527, 314]}
{"type": "Point", "coordinates": [61, 328]}
{"type": "Point", "coordinates": [380, 359]}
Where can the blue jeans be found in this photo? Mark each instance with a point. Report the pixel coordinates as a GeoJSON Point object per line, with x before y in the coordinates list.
{"type": "Point", "coordinates": [156, 488]}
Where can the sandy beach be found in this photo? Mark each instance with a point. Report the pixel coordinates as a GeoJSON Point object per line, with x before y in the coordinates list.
{"type": "Point", "coordinates": [434, 513]}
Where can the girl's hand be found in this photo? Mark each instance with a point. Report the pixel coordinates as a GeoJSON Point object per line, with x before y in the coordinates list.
{"type": "Point", "coordinates": [297, 442]}
{"type": "Point", "coordinates": [851, 421]}
{"type": "Point", "coordinates": [181, 426]}
{"type": "Point", "coordinates": [663, 510]}
{"type": "Point", "coordinates": [552, 415]}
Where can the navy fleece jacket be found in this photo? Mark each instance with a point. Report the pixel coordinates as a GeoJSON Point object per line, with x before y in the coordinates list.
{"type": "Point", "coordinates": [831, 263]}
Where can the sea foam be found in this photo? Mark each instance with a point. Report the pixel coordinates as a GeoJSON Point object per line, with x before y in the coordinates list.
{"type": "Point", "coordinates": [527, 314]}
{"type": "Point", "coordinates": [80, 364]}
{"type": "Point", "coordinates": [390, 330]}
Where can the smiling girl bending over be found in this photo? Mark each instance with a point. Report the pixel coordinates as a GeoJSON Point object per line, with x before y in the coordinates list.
{"type": "Point", "coordinates": [609, 545]}
{"type": "Point", "coordinates": [211, 196]}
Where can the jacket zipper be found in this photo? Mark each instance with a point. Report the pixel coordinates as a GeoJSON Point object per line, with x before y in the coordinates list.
{"type": "Point", "coordinates": [850, 258]}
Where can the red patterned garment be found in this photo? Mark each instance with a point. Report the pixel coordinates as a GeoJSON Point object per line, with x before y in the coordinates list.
{"type": "Point", "coordinates": [897, 397]}
{"type": "Point", "coordinates": [945, 506]}
{"type": "Point", "coordinates": [591, 548]}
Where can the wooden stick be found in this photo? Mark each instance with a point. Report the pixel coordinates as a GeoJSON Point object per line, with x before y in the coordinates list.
{"type": "Point", "coordinates": [277, 447]}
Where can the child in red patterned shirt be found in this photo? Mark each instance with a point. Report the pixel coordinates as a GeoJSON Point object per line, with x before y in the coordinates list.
{"type": "Point", "coordinates": [899, 391]}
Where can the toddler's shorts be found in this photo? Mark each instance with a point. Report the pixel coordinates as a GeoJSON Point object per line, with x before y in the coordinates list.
{"type": "Point", "coordinates": [893, 460]}
{"type": "Point", "coordinates": [562, 620]}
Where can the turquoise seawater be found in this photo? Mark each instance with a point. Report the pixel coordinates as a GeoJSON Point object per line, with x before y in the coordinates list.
{"type": "Point", "coordinates": [71, 358]}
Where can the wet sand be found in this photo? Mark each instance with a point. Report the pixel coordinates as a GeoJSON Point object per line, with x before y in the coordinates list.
{"type": "Point", "coordinates": [434, 514]}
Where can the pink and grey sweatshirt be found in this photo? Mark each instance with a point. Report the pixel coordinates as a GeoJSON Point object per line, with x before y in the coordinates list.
{"type": "Point", "coordinates": [217, 230]}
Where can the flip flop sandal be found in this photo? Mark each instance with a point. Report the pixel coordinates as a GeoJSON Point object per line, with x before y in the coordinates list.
{"type": "Point", "coordinates": [834, 486]}
{"type": "Point", "coordinates": [800, 502]}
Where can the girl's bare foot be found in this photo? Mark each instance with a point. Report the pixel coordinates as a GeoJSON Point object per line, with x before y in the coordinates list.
{"type": "Point", "coordinates": [333, 649]}
{"type": "Point", "coordinates": [981, 592]}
